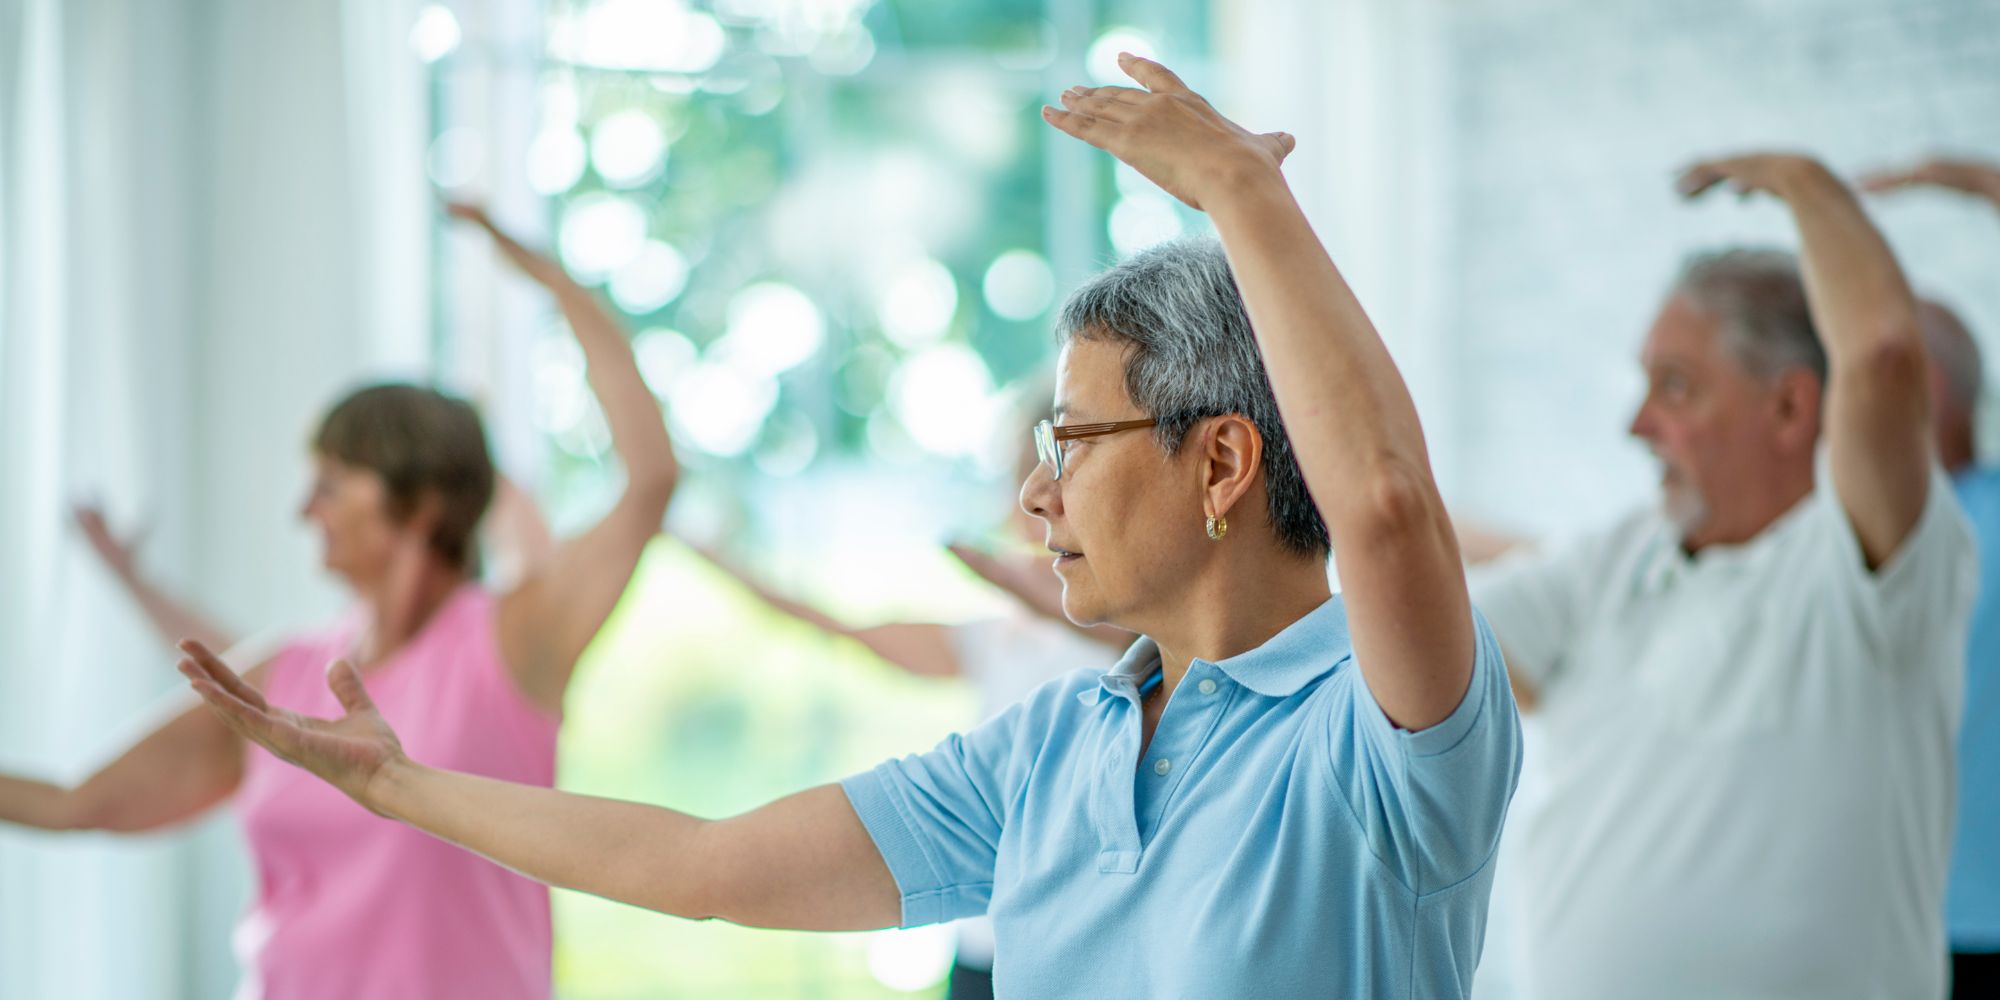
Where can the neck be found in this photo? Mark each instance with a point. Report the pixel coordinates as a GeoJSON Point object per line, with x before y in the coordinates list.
{"type": "Point", "coordinates": [1760, 504]}
{"type": "Point", "coordinates": [1238, 606]}
{"type": "Point", "coordinates": [403, 601]}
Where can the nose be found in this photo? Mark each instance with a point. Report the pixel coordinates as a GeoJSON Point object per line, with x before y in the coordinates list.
{"type": "Point", "coordinates": [1040, 496]}
{"type": "Point", "coordinates": [1642, 426]}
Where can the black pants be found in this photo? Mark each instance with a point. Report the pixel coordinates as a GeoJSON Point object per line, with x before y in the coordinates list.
{"type": "Point", "coordinates": [1974, 975]}
{"type": "Point", "coordinates": [968, 983]}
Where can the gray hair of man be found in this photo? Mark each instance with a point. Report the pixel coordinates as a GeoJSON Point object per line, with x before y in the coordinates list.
{"type": "Point", "coordinates": [1761, 303]}
{"type": "Point", "coordinates": [1954, 353]}
{"type": "Point", "coordinates": [1191, 355]}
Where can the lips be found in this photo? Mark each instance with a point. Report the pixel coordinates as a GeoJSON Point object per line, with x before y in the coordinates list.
{"type": "Point", "coordinates": [1063, 555]}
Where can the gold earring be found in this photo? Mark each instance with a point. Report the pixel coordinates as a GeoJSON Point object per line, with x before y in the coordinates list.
{"type": "Point", "coordinates": [1217, 527]}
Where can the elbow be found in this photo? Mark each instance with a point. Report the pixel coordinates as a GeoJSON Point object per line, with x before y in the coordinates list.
{"type": "Point", "coordinates": [1395, 501]}
{"type": "Point", "coordinates": [649, 491]}
{"type": "Point", "coordinates": [1898, 356]}
{"type": "Point", "coordinates": [1892, 367]}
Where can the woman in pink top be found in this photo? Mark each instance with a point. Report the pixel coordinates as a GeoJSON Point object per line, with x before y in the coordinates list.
{"type": "Point", "coordinates": [475, 677]}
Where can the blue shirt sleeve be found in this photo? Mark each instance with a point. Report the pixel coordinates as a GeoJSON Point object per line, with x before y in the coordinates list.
{"type": "Point", "coordinates": [936, 817]}
{"type": "Point", "coordinates": [1431, 802]}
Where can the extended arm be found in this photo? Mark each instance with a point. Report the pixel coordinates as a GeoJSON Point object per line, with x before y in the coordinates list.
{"type": "Point", "coordinates": [802, 862]}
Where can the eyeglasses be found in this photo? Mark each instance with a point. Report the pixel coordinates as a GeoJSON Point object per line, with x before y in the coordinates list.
{"type": "Point", "coordinates": [1049, 438]}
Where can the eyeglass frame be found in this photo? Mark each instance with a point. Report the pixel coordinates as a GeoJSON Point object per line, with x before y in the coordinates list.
{"type": "Point", "coordinates": [1050, 435]}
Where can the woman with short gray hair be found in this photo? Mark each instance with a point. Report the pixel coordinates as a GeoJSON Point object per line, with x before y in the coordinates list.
{"type": "Point", "coordinates": [1276, 792]}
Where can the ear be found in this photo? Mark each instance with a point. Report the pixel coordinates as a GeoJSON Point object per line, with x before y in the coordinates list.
{"type": "Point", "coordinates": [1231, 458]}
{"type": "Point", "coordinates": [1796, 398]}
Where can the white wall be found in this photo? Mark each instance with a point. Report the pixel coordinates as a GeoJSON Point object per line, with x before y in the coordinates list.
{"type": "Point", "coordinates": [1495, 179]}
{"type": "Point", "coordinates": [203, 237]}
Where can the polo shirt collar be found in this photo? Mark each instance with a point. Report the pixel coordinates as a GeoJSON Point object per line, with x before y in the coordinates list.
{"type": "Point", "coordinates": [1301, 653]}
{"type": "Point", "coordinates": [1665, 562]}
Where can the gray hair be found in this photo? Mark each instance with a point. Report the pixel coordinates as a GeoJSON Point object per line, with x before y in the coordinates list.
{"type": "Point", "coordinates": [1192, 356]}
{"type": "Point", "coordinates": [1953, 352]}
{"type": "Point", "coordinates": [1761, 302]}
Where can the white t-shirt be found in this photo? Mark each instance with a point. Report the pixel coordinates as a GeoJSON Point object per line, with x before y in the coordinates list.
{"type": "Point", "coordinates": [1005, 659]}
{"type": "Point", "coordinates": [1739, 778]}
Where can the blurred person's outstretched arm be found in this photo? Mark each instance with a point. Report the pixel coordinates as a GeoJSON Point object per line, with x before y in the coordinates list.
{"type": "Point", "coordinates": [803, 862]}
{"type": "Point", "coordinates": [1030, 581]}
{"type": "Point", "coordinates": [172, 617]}
{"type": "Point", "coordinates": [921, 648]}
{"type": "Point", "coordinates": [1877, 399]}
{"type": "Point", "coordinates": [180, 770]}
{"type": "Point", "coordinates": [546, 621]}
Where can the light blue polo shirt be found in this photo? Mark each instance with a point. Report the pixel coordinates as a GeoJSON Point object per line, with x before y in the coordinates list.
{"type": "Point", "coordinates": [1281, 838]}
{"type": "Point", "coordinates": [1972, 895]}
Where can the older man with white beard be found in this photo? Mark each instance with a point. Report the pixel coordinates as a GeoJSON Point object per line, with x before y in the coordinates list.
{"type": "Point", "coordinates": [1747, 696]}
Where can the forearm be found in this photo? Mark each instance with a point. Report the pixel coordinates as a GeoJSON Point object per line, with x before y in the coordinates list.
{"type": "Point", "coordinates": [758, 874]}
{"type": "Point", "coordinates": [1350, 418]}
{"type": "Point", "coordinates": [37, 804]}
{"type": "Point", "coordinates": [638, 430]}
{"type": "Point", "coordinates": [1859, 297]}
{"type": "Point", "coordinates": [172, 619]}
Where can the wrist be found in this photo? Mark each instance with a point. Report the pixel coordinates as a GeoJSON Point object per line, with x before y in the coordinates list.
{"type": "Point", "coordinates": [1242, 182]}
{"type": "Point", "coordinates": [1806, 177]}
{"type": "Point", "coordinates": [390, 790]}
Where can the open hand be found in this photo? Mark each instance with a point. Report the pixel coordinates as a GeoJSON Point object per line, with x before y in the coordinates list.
{"type": "Point", "coordinates": [118, 553]}
{"type": "Point", "coordinates": [1168, 133]}
{"type": "Point", "coordinates": [1965, 176]}
{"type": "Point", "coordinates": [350, 752]}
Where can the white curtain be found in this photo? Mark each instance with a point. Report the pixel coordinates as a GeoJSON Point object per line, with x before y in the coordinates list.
{"type": "Point", "coordinates": [207, 227]}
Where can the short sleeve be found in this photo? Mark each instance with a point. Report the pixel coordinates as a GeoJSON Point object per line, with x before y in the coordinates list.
{"type": "Point", "coordinates": [1537, 601]}
{"type": "Point", "coordinates": [1432, 801]}
{"type": "Point", "coordinates": [937, 817]}
{"type": "Point", "coordinates": [1925, 589]}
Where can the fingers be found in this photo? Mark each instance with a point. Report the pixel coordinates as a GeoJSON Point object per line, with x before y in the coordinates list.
{"type": "Point", "coordinates": [243, 719]}
{"type": "Point", "coordinates": [345, 682]}
{"type": "Point", "coordinates": [1108, 103]}
{"type": "Point", "coordinates": [215, 672]}
{"type": "Point", "coordinates": [1282, 143]}
{"type": "Point", "coordinates": [1151, 75]}
{"type": "Point", "coordinates": [1699, 178]}
{"type": "Point", "coordinates": [1082, 126]}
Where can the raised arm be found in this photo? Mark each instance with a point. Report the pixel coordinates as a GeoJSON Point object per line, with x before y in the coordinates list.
{"type": "Point", "coordinates": [175, 773]}
{"type": "Point", "coordinates": [803, 862]}
{"type": "Point", "coordinates": [1878, 385]}
{"type": "Point", "coordinates": [1350, 419]}
{"type": "Point", "coordinates": [548, 619]}
{"type": "Point", "coordinates": [172, 618]}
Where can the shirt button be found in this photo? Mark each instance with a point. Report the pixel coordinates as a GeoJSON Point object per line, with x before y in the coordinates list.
{"type": "Point", "coordinates": [1162, 766]}
{"type": "Point", "coordinates": [1206, 686]}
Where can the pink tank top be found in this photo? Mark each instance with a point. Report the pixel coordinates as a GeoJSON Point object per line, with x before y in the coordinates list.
{"type": "Point", "coordinates": [352, 905]}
